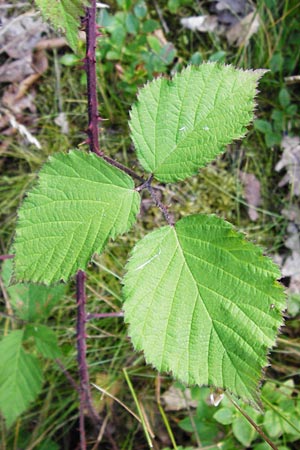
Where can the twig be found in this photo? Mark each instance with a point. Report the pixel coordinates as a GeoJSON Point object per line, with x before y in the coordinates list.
{"type": "Point", "coordinates": [123, 168]}
{"type": "Point", "coordinates": [117, 400]}
{"type": "Point", "coordinates": [81, 353]}
{"type": "Point", "coordinates": [104, 315]}
{"type": "Point", "coordinates": [160, 205]}
{"type": "Point", "coordinates": [84, 388]}
{"type": "Point", "coordinates": [161, 17]}
{"type": "Point", "coordinates": [4, 257]}
{"type": "Point", "coordinates": [251, 421]}
{"type": "Point", "coordinates": [67, 374]}
{"type": "Point", "coordinates": [15, 5]}
{"type": "Point", "coordinates": [10, 311]}
{"type": "Point", "coordinates": [90, 68]}
{"type": "Point", "coordinates": [10, 316]}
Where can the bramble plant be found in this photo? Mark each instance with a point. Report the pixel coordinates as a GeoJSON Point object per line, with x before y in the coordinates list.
{"type": "Point", "coordinates": [200, 300]}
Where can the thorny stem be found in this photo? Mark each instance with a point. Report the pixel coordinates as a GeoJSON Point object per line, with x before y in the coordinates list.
{"type": "Point", "coordinates": [85, 400]}
{"type": "Point", "coordinates": [156, 200]}
{"type": "Point", "coordinates": [160, 205]}
{"type": "Point", "coordinates": [84, 388]}
{"type": "Point", "coordinates": [90, 68]}
{"type": "Point", "coordinates": [81, 352]}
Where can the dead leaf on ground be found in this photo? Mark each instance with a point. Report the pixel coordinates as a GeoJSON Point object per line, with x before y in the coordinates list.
{"type": "Point", "coordinates": [240, 33]}
{"type": "Point", "coordinates": [230, 12]}
{"type": "Point", "coordinates": [62, 121]}
{"type": "Point", "coordinates": [290, 264]}
{"type": "Point", "coordinates": [175, 399]}
{"type": "Point", "coordinates": [19, 35]}
{"type": "Point", "coordinates": [235, 19]}
{"type": "Point", "coordinates": [292, 213]}
{"type": "Point", "coordinates": [252, 193]}
{"type": "Point", "coordinates": [204, 24]}
{"type": "Point", "coordinates": [290, 160]}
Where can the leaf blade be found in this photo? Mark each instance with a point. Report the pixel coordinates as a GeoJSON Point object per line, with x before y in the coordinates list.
{"type": "Point", "coordinates": [192, 297]}
{"type": "Point", "coordinates": [64, 15]}
{"type": "Point", "coordinates": [20, 377]}
{"type": "Point", "coordinates": [45, 340]}
{"type": "Point", "coordinates": [79, 203]}
{"type": "Point", "coordinates": [32, 303]}
{"type": "Point", "coordinates": [180, 125]}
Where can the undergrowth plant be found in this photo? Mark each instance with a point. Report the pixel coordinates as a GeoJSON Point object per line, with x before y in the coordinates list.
{"type": "Point", "coordinates": [200, 300]}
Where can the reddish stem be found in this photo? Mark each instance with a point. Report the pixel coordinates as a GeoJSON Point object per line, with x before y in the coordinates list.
{"type": "Point", "coordinates": [104, 315]}
{"type": "Point", "coordinates": [84, 388]}
{"type": "Point", "coordinates": [4, 257]}
{"type": "Point", "coordinates": [90, 67]}
{"type": "Point", "coordinates": [81, 352]}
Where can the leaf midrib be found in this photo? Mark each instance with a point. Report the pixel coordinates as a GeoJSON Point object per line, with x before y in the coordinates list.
{"type": "Point", "coordinates": [196, 125]}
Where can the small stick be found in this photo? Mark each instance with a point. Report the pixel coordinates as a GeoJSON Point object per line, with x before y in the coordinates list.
{"type": "Point", "coordinates": [4, 257]}
{"type": "Point", "coordinates": [160, 205]}
{"type": "Point", "coordinates": [90, 67]}
{"type": "Point", "coordinates": [67, 374]}
{"type": "Point", "coordinates": [81, 353]}
{"type": "Point", "coordinates": [104, 315]}
{"type": "Point", "coordinates": [254, 425]}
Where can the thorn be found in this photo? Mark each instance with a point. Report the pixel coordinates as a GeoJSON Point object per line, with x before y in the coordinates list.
{"type": "Point", "coordinates": [99, 34]}
{"type": "Point", "coordinates": [85, 142]}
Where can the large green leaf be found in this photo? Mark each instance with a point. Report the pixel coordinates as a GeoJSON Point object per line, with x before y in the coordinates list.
{"type": "Point", "coordinates": [31, 302]}
{"type": "Point", "coordinates": [64, 15]}
{"type": "Point", "coordinates": [79, 203]}
{"type": "Point", "coordinates": [20, 377]}
{"type": "Point", "coordinates": [180, 125]}
{"type": "Point", "coordinates": [203, 303]}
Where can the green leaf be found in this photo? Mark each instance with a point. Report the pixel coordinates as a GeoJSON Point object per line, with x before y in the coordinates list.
{"type": "Point", "coordinates": [140, 9]}
{"type": "Point", "coordinates": [218, 56]}
{"type": "Point", "coordinates": [31, 302]}
{"type": "Point", "coordinates": [45, 340]}
{"type": "Point", "coordinates": [262, 446]}
{"type": "Point", "coordinates": [203, 302]}
{"type": "Point", "coordinates": [273, 424]}
{"type": "Point", "coordinates": [79, 203]}
{"type": "Point", "coordinates": [20, 377]}
{"type": "Point", "coordinates": [263, 126]}
{"type": "Point", "coordinates": [273, 139]}
{"type": "Point", "coordinates": [181, 125]}
{"type": "Point", "coordinates": [284, 97]}
{"type": "Point", "coordinates": [132, 24]}
{"type": "Point", "coordinates": [150, 25]}
{"type": "Point", "coordinates": [243, 431]}
{"type": "Point", "coordinates": [224, 416]}
{"type": "Point", "coordinates": [64, 15]}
